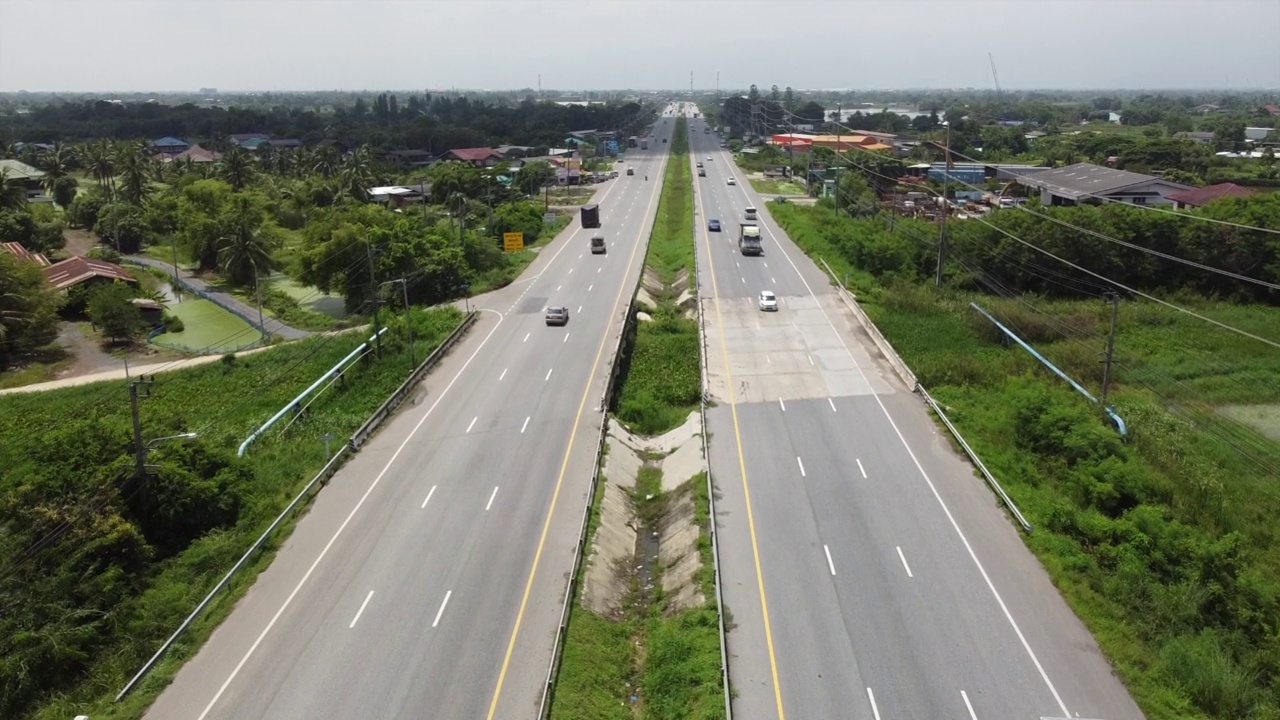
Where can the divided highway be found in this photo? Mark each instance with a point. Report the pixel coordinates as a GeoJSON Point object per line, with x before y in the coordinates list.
{"type": "Point", "coordinates": [428, 578]}
{"type": "Point", "coordinates": [868, 572]}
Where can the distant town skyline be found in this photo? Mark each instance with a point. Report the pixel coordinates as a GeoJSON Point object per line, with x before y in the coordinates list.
{"type": "Point", "coordinates": [502, 45]}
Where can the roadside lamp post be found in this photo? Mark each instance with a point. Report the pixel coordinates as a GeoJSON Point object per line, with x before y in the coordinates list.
{"type": "Point", "coordinates": [144, 448]}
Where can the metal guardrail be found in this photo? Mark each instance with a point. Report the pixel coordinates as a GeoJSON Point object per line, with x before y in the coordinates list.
{"type": "Point", "coordinates": [361, 435]}
{"type": "Point", "coordinates": [900, 366]}
{"type": "Point", "coordinates": [320, 477]}
{"type": "Point", "coordinates": [977, 461]}
{"type": "Point", "coordinates": [327, 471]}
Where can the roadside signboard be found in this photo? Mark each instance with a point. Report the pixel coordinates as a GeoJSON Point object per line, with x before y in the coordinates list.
{"type": "Point", "coordinates": [513, 241]}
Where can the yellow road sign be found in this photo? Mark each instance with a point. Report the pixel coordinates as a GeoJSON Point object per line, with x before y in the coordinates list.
{"type": "Point", "coordinates": [513, 241]}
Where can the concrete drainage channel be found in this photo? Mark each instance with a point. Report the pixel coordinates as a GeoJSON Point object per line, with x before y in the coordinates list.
{"type": "Point", "coordinates": [643, 606]}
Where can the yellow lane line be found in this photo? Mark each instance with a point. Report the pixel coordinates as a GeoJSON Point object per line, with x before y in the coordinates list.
{"type": "Point", "coordinates": [742, 465]}
{"type": "Point", "coordinates": [564, 467]}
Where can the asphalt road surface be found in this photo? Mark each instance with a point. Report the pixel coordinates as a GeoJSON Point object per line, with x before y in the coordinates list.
{"type": "Point", "coordinates": [869, 573]}
{"type": "Point", "coordinates": [428, 578]}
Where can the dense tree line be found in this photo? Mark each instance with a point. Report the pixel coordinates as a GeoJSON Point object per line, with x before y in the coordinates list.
{"type": "Point", "coordinates": [416, 121]}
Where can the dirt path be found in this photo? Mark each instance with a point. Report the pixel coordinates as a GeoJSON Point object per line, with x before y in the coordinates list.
{"type": "Point", "coordinates": [89, 358]}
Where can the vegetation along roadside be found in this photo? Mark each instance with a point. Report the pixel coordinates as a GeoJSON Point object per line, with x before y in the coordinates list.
{"type": "Point", "coordinates": [642, 639]}
{"type": "Point", "coordinates": [1164, 545]}
{"type": "Point", "coordinates": [101, 567]}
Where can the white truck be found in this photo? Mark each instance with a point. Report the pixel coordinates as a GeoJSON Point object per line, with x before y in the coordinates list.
{"type": "Point", "coordinates": [644, 143]}
{"type": "Point", "coordinates": [749, 239]}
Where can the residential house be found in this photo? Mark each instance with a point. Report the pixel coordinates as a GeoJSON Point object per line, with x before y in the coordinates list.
{"type": "Point", "coordinates": [1085, 183]}
{"type": "Point", "coordinates": [1035, 134]}
{"type": "Point", "coordinates": [395, 196]}
{"type": "Point", "coordinates": [409, 158]}
{"type": "Point", "coordinates": [170, 145]}
{"type": "Point", "coordinates": [27, 176]}
{"type": "Point", "coordinates": [338, 146]}
{"type": "Point", "coordinates": [80, 270]}
{"type": "Point", "coordinates": [1273, 109]}
{"type": "Point", "coordinates": [1197, 136]}
{"type": "Point", "coordinates": [285, 143]}
{"type": "Point", "coordinates": [1205, 109]}
{"type": "Point", "coordinates": [846, 143]}
{"type": "Point", "coordinates": [1256, 134]}
{"type": "Point", "coordinates": [477, 157]}
{"type": "Point", "coordinates": [20, 251]}
{"type": "Point", "coordinates": [241, 138]}
{"type": "Point", "coordinates": [195, 154]}
{"type": "Point", "coordinates": [515, 151]}
{"type": "Point", "coordinates": [1198, 197]}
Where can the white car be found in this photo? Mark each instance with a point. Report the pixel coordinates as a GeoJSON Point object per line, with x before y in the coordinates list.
{"type": "Point", "coordinates": [708, 158]}
{"type": "Point", "coordinates": [768, 301]}
{"type": "Point", "coordinates": [732, 181]}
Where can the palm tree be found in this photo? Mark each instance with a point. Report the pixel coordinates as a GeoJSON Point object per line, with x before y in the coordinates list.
{"type": "Point", "coordinates": [13, 194]}
{"type": "Point", "coordinates": [136, 170]}
{"type": "Point", "coordinates": [237, 168]}
{"type": "Point", "coordinates": [101, 165]}
{"type": "Point", "coordinates": [357, 175]}
{"type": "Point", "coordinates": [56, 164]}
{"type": "Point", "coordinates": [245, 250]}
{"type": "Point", "coordinates": [326, 162]}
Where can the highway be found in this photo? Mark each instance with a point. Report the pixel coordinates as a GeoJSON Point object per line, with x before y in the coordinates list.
{"type": "Point", "coordinates": [868, 572]}
{"type": "Point", "coordinates": [427, 580]}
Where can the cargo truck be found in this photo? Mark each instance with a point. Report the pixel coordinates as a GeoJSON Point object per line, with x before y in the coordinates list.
{"type": "Point", "coordinates": [591, 216]}
{"type": "Point", "coordinates": [749, 239]}
{"type": "Point", "coordinates": [644, 143]}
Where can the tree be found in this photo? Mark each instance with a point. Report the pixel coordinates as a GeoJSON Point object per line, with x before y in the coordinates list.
{"type": "Point", "coordinates": [122, 225]}
{"type": "Point", "coordinates": [13, 194]}
{"type": "Point", "coordinates": [28, 308]}
{"type": "Point", "coordinates": [244, 250]}
{"type": "Point", "coordinates": [533, 176]}
{"type": "Point", "coordinates": [64, 191]}
{"type": "Point", "coordinates": [134, 171]}
{"type": "Point", "coordinates": [237, 168]}
{"type": "Point", "coordinates": [113, 312]}
{"type": "Point", "coordinates": [789, 99]}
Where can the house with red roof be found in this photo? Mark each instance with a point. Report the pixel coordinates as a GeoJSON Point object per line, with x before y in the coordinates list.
{"type": "Point", "coordinates": [78, 270]}
{"type": "Point", "coordinates": [1201, 196]}
{"type": "Point", "coordinates": [477, 157]}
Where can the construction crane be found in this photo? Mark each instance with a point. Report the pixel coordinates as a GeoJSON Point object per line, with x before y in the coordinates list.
{"type": "Point", "coordinates": [994, 75]}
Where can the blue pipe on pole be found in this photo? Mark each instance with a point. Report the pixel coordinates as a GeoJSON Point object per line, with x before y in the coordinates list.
{"type": "Point", "coordinates": [1120, 425]}
{"type": "Point", "coordinates": [294, 402]}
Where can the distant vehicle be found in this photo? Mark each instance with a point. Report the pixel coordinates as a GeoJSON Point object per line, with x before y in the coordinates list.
{"type": "Point", "coordinates": [713, 225]}
{"type": "Point", "coordinates": [749, 239]}
{"type": "Point", "coordinates": [557, 316]}
{"type": "Point", "coordinates": [708, 158]}
{"type": "Point", "coordinates": [644, 143]}
{"type": "Point", "coordinates": [598, 246]}
{"type": "Point", "coordinates": [664, 141]}
{"type": "Point", "coordinates": [768, 301]}
{"type": "Point", "coordinates": [631, 171]}
{"type": "Point", "coordinates": [702, 173]}
{"type": "Point", "coordinates": [591, 216]}
{"type": "Point", "coordinates": [699, 164]}
{"type": "Point", "coordinates": [732, 181]}
{"type": "Point", "coordinates": [751, 213]}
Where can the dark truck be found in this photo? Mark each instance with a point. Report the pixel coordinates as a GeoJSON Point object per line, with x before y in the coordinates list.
{"type": "Point", "coordinates": [591, 216]}
{"type": "Point", "coordinates": [597, 245]}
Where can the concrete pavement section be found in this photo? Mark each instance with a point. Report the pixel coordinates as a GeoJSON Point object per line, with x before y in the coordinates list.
{"type": "Point", "coordinates": [427, 580]}
{"type": "Point", "coordinates": [868, 572]}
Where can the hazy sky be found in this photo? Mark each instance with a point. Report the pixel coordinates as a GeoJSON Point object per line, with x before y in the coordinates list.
{"type": "Point", "coordinates": [103, 45]}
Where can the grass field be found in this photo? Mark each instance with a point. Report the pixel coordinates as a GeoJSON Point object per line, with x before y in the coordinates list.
{"type": "Point", "coordinates": [778, 187]}
{"type": "Point", "coordinates": [209, 328]}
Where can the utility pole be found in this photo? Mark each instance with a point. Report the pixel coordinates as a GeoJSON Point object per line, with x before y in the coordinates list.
{"type": "Point", "coordinates": [946, 183]}
{"type": "Point", "coordinates": [839, 117]}
{"type": "Point", "coordinates": [258, 292]}
{"type": "Point", "coordinates": [1114, 299]}
{"type": "Point", "coordinates": [408, 320]}
{"type": "Point", "coordinates": [373, 287]}
{"type": "Point", "coordinates": [140, 388]}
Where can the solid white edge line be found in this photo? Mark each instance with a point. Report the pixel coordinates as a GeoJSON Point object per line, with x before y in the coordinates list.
{"type": "Point", "coordinates": [441, 610]}
{"type": "Point", "coordinates": [271, 623]}
{"type": "Point", "coordinates": [801, 464]}
{"type": "Point", "coordinates": [360, 612]}
{"type": "Point", "coordinates": [430, 492]}
{"type": "Point", "coordinates": [830, 565]}
{"type": "Point", "coordinates": [525, 425]}
{"type": "Point", "coordinates": [937, 496]}
{"type": "Point", "coordinates": [860, 468]}
{"type": "Point", "coordinates": [903, 558]}
{"type": "Point", "coordinates": [874, 710]}
{"type": "Point", "coordinates": [493, 495]}
{"type": "Point", "coordinates": [972, 715]}
{"type": "Point", "coordinates": [472, 423]}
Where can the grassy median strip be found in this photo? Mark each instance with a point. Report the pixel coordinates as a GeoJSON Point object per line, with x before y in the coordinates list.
{"type": "Point", "coordinates": [1165, 546]}
{"type": "Point", "coordinates": [98, 569]}
{"type": "Point", "coordinates": [658, 656]}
